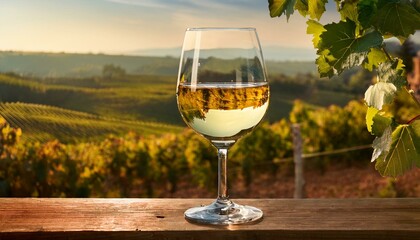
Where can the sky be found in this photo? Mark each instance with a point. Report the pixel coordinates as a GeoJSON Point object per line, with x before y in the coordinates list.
{"type": "Point", "coordinates": [124, 26]}
{"type": "Point", "coordinates": [119, 26]}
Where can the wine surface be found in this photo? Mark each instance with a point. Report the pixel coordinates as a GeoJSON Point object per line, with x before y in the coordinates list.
{"type": "Point", "coordinates": [223, 111]}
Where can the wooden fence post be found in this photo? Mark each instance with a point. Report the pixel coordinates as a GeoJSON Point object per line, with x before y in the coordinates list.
{"type": "Point", "coordinates": [298, 160]}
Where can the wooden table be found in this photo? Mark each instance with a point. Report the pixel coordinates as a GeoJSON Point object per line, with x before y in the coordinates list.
{"type": "Point", "coordinates": [54, 218]}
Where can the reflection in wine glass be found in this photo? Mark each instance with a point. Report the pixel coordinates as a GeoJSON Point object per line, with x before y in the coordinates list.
{"type": "Point", "coordinates": [222, 94]}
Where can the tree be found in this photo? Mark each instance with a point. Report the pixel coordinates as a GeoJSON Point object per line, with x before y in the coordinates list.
{"type": "Point", "coordinates": [358, 40]}
{"type": "Point", "coordinates": [110, 71]}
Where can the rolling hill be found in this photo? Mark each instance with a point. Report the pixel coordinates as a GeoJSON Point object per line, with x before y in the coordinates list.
{"type": "Point", "coordinates": [143, 97]}
{"type": "Point", "coordinates": [145, 93]}
{"type": "Point", "coordinates": [39, 64]}
{"type": "Point", "coordinates": [42, 123]}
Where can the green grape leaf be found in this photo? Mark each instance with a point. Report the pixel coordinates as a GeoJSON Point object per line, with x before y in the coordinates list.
{"type": "Point", "coordinates": [375, 57]}
{"type": "Point", "coordinates": [415, 126]}
{"type": "Point", "coordinates": [376, 122]}
{"type": "Point", "coordinates": [380, 123]}
{"type": "Point", "coordinates": [324, 62]}
{"type": "Point", "coordinates": [348, 49]}
{"type": "Point", "coordinates": [280, 7]}
{"type": "Point", "coordinates": [341, 39]}
{"type": "Point", "coordinates": [316, 29]}
{"type": "Point", "coordinates": [313, 8]}
{"type": "Point", "coordinates": [392, 72]}
{"type": "Point", "coordinates": [371, 112]}
{"type": "Point", "coordinates": [396, 18]}
{"type": "Point", "coordinates": [366, 9]}
{"type": "Point", "coordinates": [353, 59]}
{"type": "Point", "coordinates": [316, 8]}
{"type": "Point", "coordinates": [403, 153]}
{"type": "Point", "coordinates": [390, 80]}
{"type": "Point", "coordinates": [302, 7]}
{"type": "Point", "coordinates": [348, 9]}
{"type": "Point", "coordinates": [379, 94]}
{"type": "Point", "coordinates": [416, 5]}
{"type": "Point", "coordinates": [381, 145]}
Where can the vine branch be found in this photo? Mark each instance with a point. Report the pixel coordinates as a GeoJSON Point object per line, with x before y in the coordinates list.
{"type": "Point", "coordinates": [386, 53]}
{"type": "Point", "coordinates": [413, 119]}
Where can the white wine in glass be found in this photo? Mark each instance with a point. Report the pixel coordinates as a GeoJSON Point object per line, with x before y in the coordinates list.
{"type": "Point", "coordinates": [222, 93]}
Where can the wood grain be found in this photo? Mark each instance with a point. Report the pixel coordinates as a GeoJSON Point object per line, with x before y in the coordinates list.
{"type": "Point", "coordinates": [54, 218]}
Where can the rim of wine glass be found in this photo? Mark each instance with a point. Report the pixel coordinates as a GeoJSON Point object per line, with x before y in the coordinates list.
{"type": "Point", "coordinates": [221, 28]}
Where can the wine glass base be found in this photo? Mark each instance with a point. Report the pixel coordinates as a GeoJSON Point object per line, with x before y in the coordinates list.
{"type": "Point", "coordinates": [223, 213]}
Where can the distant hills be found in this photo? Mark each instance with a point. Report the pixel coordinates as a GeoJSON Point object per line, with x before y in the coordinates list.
{"type": "Point", "coordinates": [271, 53]}
{"type": "Point", "coordinates": [157, 52]}
{"type": "Point", "coordinates": [40, 64]}
{"type": "Point", "coordinates": [159, 61]}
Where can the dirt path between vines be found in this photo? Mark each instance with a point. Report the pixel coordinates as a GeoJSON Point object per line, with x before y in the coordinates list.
{"type": "Point", "coordinates": [335, 182]}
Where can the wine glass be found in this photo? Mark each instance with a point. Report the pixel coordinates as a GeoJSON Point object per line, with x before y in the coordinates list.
{"type": "Point", "coordinates": [222, 93]}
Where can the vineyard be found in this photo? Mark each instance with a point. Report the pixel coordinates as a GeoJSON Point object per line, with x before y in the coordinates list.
{"type": "Point", "coordinates": [147, 98]}
{"type": "Point", "coordinates": [42, 123]}
{"type": "Point", "coordinates": [152, 97]}
{"type": "Point", "coordinates": [135, 165]}
{"type": "Point", "coordinates": [99, 137]}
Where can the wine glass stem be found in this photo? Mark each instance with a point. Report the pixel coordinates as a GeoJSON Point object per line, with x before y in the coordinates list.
{"type": "Point", "coordinates": [222, 180]}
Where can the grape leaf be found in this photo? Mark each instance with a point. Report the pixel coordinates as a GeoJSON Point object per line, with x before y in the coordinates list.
{"type": "Point", "coordinates": [348, 9]}
{"type": "Point", "coordinates": [366, 9]}
{"type": "Point", "coordinates": [302, 7]}
{"type": "Point", "coordinates": [376, 122]}
{"type": "Point", "coordinates": [392, 72]}
{"type": "Point", "coordinates": [341, 39]}
{"type": "Point", "coordinates": [354, 59]}
{"type": "Point", "coordinates": [416, 133]}
{"type": "Point", "coordinates": [371, 112]}
{"type": "Point", "coordinates": [416, 5]}
{"type": "Point", "coordinates": [313, 8]}
{"type": "Point", "coordinates": [380, 123]}
{"type": "Point", "coordinates": [396, 18]}
{"type": "Point", "coordinates": [279, 7]}
{"type": "Point", "coordinates": [324, 62]}
{"type": "Point", "coordinates": [375, 57]}
{"type": "Point", "coordinates": [381, 145]}
{"type": "Point", "coordinates": [390, 80]}
{"type": "Point", "coordinates": [403, 152]}
{"type": "Point", "coordinates": [315, 28]}
{"type": "Point", "coordinates": [379, 94]}
{"type": "Point", "coordinates": [316, 8]}
{"type": "Point", "coordinates": [348, 49]}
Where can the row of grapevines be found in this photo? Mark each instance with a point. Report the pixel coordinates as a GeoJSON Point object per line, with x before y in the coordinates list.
{"type": "Point", "coordinates": [43, 123]}
{"type": "Point", "coordinates": [135, 165]}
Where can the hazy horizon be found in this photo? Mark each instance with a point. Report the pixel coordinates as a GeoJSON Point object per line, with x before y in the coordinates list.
{"type": "Point", "coordinates": [124, 26]}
